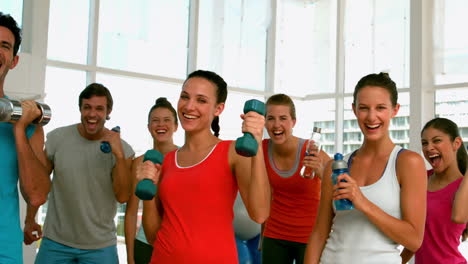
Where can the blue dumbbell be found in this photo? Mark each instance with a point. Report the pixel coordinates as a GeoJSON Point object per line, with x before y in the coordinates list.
{"type": "Point", "coordinates": [247, 145]}
{"type": "Point", "coordinates": [105, 146]}
{"type": "Point", "coordinates": [146, 189]}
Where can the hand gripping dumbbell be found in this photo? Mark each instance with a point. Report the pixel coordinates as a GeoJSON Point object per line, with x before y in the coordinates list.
{"type": "Point", "coordinates": [105, 146]}
{"type": "Point", "coordinates": [247, 145]}
{"type": "Point", "coordinates": [146, 189]}
{"type": "Point", "coordinates": [11, 110]}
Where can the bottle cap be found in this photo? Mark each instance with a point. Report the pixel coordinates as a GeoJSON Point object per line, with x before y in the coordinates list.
{"type": "Point", "coordinates": [339, 163]}
{"type": "Point", "coordinates": [317, 129]}
{"type": "Point", "coordinates": [338, 156]}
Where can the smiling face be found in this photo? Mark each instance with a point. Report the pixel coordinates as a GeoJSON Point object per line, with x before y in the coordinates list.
{"type": "Point", "coordinates": [197, 105]}
{"type": "Point", "coordinates": [7, 60]}
{"type": "Point", "coordinates": [374, 111]}
{"type": "Point", "coordinates": [439, 149]}
{"type": "Point", "coordinates": [93, 116]}
{"type": "Point", "coordinates": [162, 124]}
{"type": "Point", "coordinates": [279, 123]}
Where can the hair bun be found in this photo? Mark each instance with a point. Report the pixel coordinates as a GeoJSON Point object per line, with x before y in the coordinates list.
{"type": "Point", "coordinates": [161, 100]}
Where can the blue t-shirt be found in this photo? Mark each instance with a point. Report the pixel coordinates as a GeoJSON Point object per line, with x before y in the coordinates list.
{"type": "Point", "coordinates": [11, 236]}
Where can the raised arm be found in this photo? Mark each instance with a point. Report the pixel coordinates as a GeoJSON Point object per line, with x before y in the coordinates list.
{"type": "Point", "coordinates": [460, 208]}
{"type": "Point", "coordinates": [323, 222]}
{"type": "Point", "coordinates": [131, 213]}
{"type": "Point", "coordinates": [251, 174]}
{"type": "Point", "coordinates": [409, 230]}
{"type": "Point", "coordinates": [121, 173]}
{"type": "Point", "coordinates": [33, 176]}
{"type": "Point", "coordinates": [152, 209]}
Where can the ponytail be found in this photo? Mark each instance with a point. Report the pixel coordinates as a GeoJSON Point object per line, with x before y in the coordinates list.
{"type": "Point", "coordinates": [215, 126]}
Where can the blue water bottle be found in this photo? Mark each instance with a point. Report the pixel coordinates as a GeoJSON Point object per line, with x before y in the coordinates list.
{"type": "Point", "coordinates": [340, 166]}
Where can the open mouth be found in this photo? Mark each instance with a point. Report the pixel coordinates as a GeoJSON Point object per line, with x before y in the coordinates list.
{"type": "Point", "coordinates": [434, 160]}
{"type": "Point", "coordinates": [161, 131]}
{"type": "Point", "coordinates": [92, 124]}
{"type": "Point", "coordinates": [278, 132]}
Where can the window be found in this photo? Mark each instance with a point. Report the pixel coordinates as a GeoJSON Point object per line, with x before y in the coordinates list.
{"type": "Point", "coordinates": [317, 113]}
{"type": "Point", "coordinates": [376, 39]}
{"type": "Point", "coordinates": [68, 31]}
{"type": "Point", "coordinates": [232, 41]}
{"type": "Point", "coordinates": [451, 45]}
{"type": "Point", "coordinates": [453, 104]}
{"type": "Point", "coordinates": [138, 38]}
{"type": "Point", "coordinates": [305, 56]}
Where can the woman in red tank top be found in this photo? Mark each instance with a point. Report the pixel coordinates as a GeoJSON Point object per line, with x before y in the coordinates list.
{"type": "Point", "coordinates": [295, 199]}
{"type": "Point", "coordinates": [190, 219]}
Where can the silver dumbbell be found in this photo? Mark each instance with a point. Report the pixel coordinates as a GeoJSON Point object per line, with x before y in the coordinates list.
{"type": "Point", "coordinates": [11, 110]}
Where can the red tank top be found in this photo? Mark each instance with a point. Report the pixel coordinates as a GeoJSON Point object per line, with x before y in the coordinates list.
{"type": "Point", "coordinates": [198, 204]}
{"type": "Point", "coordinates": [295, 202]}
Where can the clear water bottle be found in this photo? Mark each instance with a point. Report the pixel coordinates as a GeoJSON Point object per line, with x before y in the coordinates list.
{"type": "Point", "coordinates": [339, 167]}
{"type": "Point", "coordinates": [313, 147]}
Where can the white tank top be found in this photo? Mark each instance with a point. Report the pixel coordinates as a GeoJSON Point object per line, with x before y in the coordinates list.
{"type": "Point", "coordinates": [353, 238]}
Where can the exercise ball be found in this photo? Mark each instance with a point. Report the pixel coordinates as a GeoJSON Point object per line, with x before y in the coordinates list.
{"type": "Point", "coordinates": [244, 227]}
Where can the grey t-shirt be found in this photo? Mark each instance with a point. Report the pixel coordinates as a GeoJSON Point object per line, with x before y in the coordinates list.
{"type": "Point", "coordinates": [82, 203]}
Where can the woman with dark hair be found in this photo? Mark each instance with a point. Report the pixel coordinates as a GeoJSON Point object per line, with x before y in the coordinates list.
{"type": "Point", "coordinates": [190, 219]}
{"type": "Point", "coordinates": [386, 185]}
{"type": "Point", "coordinates": [162, 124]}
{"type": "Point", "coordinates": [443, 148]}
{"type": "Point", "coordinates": [295, 199]}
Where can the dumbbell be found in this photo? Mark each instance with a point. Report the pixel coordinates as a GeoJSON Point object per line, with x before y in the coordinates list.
{"type": "Point", "coordinates": [247, 145]}
{"type": "Point", "coordinates": [105, 146]}
{"type": "Point", "coordinates": [146, 189]}
{"type": "Point", "coordinates": [11, 110]}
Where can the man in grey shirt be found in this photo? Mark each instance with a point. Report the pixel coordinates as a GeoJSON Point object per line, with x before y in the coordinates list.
{"type": "Point", "coordinates": [86, 187]}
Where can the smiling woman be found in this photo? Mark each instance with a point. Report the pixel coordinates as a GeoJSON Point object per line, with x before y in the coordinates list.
{"type": "Point", "coordinates": [443, 148]}
{"type": "Point", "coordinates": [201, 231]}
{"type": "Point", "coordinates": [389, 197]}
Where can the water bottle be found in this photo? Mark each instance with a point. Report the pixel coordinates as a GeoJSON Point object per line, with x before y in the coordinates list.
{"type": "Point", "coordinates": [313, 146]}
{"type": "Point", "coordinates": [105, 146]}
{"type": "Point", "coordinates": [339, 166]}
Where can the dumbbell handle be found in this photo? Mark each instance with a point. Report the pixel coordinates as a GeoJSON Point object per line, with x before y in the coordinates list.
{"type": "Point", "coordinates": [146, 189]}
{"type": "Point", "coordinates": [247, 145]}
{"type": "Point", "coordinates": [11, 110]}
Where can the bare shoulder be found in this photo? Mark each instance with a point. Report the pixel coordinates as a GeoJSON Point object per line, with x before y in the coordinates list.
{"type": "Point", "coordinates": [409, 159]}
{"type": "Point", "coordinates": [410, 167]}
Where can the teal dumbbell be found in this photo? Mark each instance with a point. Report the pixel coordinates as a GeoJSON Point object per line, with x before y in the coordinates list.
{"type": "Point", "coordinates": [247, 145]}
{"type": "Point", "coordinates": [146, 189]}
{"type": "Point", "coordinates": [105, 146]}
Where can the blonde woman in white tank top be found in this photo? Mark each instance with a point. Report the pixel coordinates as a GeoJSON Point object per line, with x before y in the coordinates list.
{"type": "Point", "coordinates": [387, 187]}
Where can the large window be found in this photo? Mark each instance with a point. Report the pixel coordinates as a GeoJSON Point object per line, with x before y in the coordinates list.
{"type": "Point", "coordinates": [68, 31]}
{"type": "Point", "coordinates": [312, 50]}
{"type": "Point", "coordinates": [232, 39]}
{"type": "Point", "coordinates": [376, 39]}
{"type": "Point", "coordinates": [149, 37]}
{"type": "Point", "coordinates": [305, 54]}
{"type": "Point", "coordinates": [451, 45]}
{"type": "Point", "coordinates": [451, 62]}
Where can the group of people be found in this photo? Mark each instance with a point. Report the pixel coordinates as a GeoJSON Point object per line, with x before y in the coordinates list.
{"type": "Point", "coordinates": [190, 219]}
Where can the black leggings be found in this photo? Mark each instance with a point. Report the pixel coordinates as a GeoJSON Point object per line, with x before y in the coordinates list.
{"type": "Point", "coordinates": [142, 252]}
{"type": "Point", "coordinates": [277, 251]}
